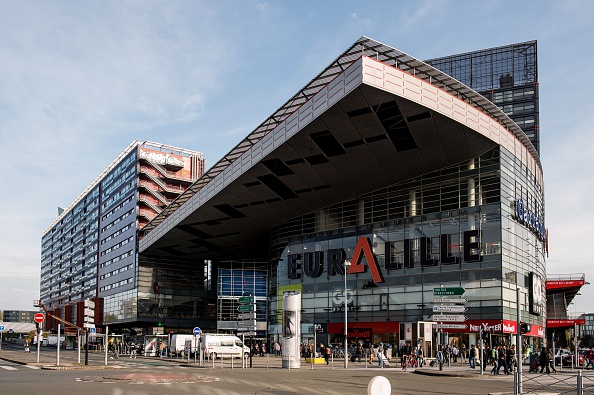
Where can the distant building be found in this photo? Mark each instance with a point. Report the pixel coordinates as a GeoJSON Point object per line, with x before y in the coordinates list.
{"type": "Point", "coordinates": [89, 251]}
{"type": "Point", "coordinates": [18, 316]}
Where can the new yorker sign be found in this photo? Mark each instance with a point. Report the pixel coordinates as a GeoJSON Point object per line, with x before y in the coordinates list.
{"type": "Point", "coordinates": [313, 264]}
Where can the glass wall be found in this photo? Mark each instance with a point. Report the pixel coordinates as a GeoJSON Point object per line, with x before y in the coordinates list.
{"type": "Point", "coordinates": [453, 228]}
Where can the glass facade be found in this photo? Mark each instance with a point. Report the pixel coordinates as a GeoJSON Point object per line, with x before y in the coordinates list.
{"type": "Point", "coordinates": [237, 279]}
{"type": "Point", "coordinates": [455, 227]}
{"type": "Point", "coordinates": [507, 76]}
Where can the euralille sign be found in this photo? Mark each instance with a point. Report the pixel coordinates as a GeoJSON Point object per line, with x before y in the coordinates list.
{"type": "Point", "coordinates": [313, 264]}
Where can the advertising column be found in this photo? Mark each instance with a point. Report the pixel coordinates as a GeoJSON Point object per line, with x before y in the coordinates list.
{"type": "Point", "coordinates": [291, 330]}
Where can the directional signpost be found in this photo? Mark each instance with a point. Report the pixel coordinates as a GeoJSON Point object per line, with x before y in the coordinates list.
{"type": "Point", "coordinates": [448, 291]}
{"type": "Point", "coordinates": [246, 324]}
{"type": "Point", "coordinates": [449, 319]}
{"type": "Point", "coordinates": [449, 300]}
{"type": "Point", "coordinates": [1, 330]}
{"type": "Point", "coordinates": [449, 309]}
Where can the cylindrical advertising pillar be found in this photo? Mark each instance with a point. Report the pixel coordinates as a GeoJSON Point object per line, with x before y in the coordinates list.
{"type": "Point", "coordinates": [291, 330]}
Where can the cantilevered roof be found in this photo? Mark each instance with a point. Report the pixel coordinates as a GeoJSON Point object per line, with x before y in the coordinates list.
{"type": "Point", "coordinates": [362, 47]}
{"type": "Point", "coordinates": [370, 125]}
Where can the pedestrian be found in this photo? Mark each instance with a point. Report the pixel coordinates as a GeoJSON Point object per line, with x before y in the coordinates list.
{"type": "Point", "coordinates": [551, 361]}
{"type": "Point", "coordinates": [544, 360]}
{"type": "Point", "coordinates": [161, 349]}
{"type": "Point", "coordinates": [420, 359]}
{"type": "Point", "coordinates": [454, 353]}
{"type": "Point", "coordinates": [132, 350]}
{"type": "Point", "coordinates": [472, 357]}
{"type": "Point", "coordinates": [277, 349]}
{"type": "Point", "coordinates": [27, 346]}
{"type": "Point", "coordinates": [263, 350]}
{"type": "Point", "coordinates": [380, 354]}
{"type": "Point", "coordinates": [590, 358]}
{"type": "Point", "coordinates": [359, 353]}
{"type": "Point", "coordinates": [327, 353]}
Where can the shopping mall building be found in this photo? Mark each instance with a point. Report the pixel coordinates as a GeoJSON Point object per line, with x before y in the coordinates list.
{"type": "Point", "coordinates": [383, 179]}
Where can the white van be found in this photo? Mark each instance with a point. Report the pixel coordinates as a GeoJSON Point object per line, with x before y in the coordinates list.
{"type": "Point", "coordinates": [179, 342]}
{"type": "Point", "coordinates": [216, 345]}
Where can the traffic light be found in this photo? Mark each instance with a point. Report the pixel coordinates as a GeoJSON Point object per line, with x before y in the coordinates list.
{"type": "Point", "coordinates": [524, 327]}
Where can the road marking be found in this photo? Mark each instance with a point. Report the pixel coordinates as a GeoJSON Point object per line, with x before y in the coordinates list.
{"type": "Point", "coordinates": [8, 367]}
{"type": "Point", "coordinates": [32, 367]}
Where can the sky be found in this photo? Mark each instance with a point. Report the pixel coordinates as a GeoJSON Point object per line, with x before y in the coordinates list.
{"type": "Point", "coordinates": [79, 81]}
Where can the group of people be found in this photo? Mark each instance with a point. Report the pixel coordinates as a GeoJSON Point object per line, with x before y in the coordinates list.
{"type": "Point", "coordinates": [259, 349]}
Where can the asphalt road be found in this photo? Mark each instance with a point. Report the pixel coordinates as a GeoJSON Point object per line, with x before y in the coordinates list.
{"type": "Point", "coordinates": [160, 376]}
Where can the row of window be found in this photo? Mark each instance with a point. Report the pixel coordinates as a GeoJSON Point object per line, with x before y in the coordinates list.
{"type": "Point", "coordinates": [125, 177]}
{"type": "Point", "coordinates": [518, 108]}
{"type": "Point", "coordinates": [113, 210]}
{"type": "Point", "coordinates": [116, 246]}
{"type": "Point", "coordinates": [118, 195]}
{"type": "Point", "coordinates": [118, 170]}
{"type": "Point", "coordinates": [120, 231]}
{"type": "Point", "coordinates": [515, 94]}
{"type": "Point", "coordinates": [117, 258]}
{"type": "Point", "coordinates": [116, 285]}
{"type": "Point", "coordinates": [117, 271]}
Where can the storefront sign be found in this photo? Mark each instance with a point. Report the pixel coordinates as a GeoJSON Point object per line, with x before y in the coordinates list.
{"type": "Point", "coordinates": [533, 221]}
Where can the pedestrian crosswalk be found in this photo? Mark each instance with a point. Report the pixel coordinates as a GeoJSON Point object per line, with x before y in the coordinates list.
{"type": "Point", "coordinates": [17, 367]}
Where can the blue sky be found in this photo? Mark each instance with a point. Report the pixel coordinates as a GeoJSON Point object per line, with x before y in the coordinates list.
{"type": "Point", "coordinates": [79, 81]}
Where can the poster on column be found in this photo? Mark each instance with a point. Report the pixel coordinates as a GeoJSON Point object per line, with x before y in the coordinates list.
{"type": "Point", "coordinates": [291, 330]}
{"type": "Point", "coordinates": [408, 331]}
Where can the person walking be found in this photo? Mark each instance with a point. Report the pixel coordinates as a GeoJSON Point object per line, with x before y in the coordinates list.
{"type": "Point", "coordinates": [161, 349]}
{"type": "Point", "coordinates": [544, 360]}
{"type": "Point", "coordinates": [327, 353]}
{"type": "Point", "coordinates": [472, 357]}
{"type": "Point", "coordinates": [132, 350]}
{"type": "Point", "coordinates": [590, 358]}
{"type": "Point", "coordinates": [552, 361]}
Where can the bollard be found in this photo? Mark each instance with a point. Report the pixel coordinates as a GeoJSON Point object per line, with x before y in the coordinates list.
{"type": "Point", "coordinates": [332, 359]}
{"type": "Point", "coordinates": [222, 363]}
{"type": "Point", "coordinates": [366, 359]}
{"type": "Point", "coordinates": [516, 387]}
{"type": "Point", "coordinates": [267, 360]}
{"type": "Point", "coordinates": [232, 361]}
{"type": "Point", "coordinates": [580, 383]}
{"type": "Point", "coordinates": [289, 361]}
{"type": "Point", "coordinates": [212, 357]}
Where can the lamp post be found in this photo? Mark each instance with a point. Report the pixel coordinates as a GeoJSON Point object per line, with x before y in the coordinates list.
{"type": "Point", "coordinates": [346, 354]}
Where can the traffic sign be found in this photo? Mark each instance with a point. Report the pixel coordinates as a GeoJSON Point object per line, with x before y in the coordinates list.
{"type": "Point", "coordinates": [246, 300]}
{"type": "Point", "coordinates": [446, 300]}
{"type": "Point", "coordinates": [448, 291]}
{"type": "Point", "coordinates": [197, 331]}
{"type": "Point", "coordinates": [246, 316]}
{"type": "Point", "coordinates": [246, 323]}
{"type": "Point", "coordinates": [1, 328]}
{"type": "Point", "coordinates": [449, 309]}
{"type": "Point", "coordinates": [244, 308]}
{"type": "Point", "coordinates": [88, 325]}
{"type": "Point", "coordinates": [450, 326]}
{"type": "Point", "coordinates": [92, 330]}
{"type": "Point", "coordinates": [248, 333]}
{"type": "Point", "coordinates": [39, 318]}
{"type": "Point", "coordinates": [449, 317]}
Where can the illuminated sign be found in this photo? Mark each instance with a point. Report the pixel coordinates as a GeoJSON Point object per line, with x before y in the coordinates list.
{"type": "Point", "coordinates": [313, 264]}
{"type": "Point", "coordinates": [533, 221]}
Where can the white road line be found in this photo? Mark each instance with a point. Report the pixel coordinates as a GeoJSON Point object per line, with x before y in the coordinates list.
{"type": "Point", "coordinates": [32, 367]}
{"type": "Point", "coordinates": [8, 367]}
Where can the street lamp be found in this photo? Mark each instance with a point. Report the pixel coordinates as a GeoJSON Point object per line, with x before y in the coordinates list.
{"type": "Point", "coordinates": [346, 354]}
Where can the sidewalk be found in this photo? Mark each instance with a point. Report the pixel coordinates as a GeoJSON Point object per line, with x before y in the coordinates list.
{"type": "Point", "coordinates": [48, 361]}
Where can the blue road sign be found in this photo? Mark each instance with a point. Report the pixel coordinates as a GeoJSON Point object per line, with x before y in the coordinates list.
{"type": "Point", "coordinates": [197, 331]}
{"type": "Point", "coordinates": [1, 327]}
{"type": "Point", "coordinates": [93, 330]}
